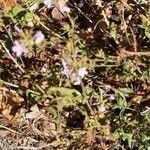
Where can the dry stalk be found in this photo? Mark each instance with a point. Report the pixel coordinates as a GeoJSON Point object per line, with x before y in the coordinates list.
{"type": "Point", "coordinates": [134, 40]}
{"type": "Point", "coordinates": [13, 131]}
{"type": "Point", "coordinates": [125, 53]}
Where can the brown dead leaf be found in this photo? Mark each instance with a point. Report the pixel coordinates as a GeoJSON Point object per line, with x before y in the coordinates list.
{"type": "Point", "coordinates": [56, 14]}
{"type": "Point", "coordinates": [35, 112]}
{"type": "Point", "coordinates": [25, 83]}
{"type": "Point", "coordinates": [10, 103]}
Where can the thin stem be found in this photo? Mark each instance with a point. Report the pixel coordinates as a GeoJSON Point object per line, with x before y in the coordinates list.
{"type": "Point", "coordinates": [13, 59]}
{"type": "Point", "coordinates": [55, 34]}
{"type": "Point", "coordinates": [88, 105]}
{"type": "Point", "coordinates": [9, 84]}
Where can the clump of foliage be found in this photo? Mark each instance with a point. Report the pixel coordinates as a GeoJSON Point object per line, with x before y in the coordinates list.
{"type": "Point", "coordinates": [90, 61]}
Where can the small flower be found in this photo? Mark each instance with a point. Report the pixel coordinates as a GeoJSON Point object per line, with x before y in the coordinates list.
{"type": "Point", "coordinates": [48, 3]}
{"type": "Point", "coordinates": [38, 37]}
{"type": "Point", "coordinates": [64, 63]}
{"type": "Point", "coordinates": [112, 97]}
{"type": "Point", "coordinates": [82, 72]}
{"type": "Point", "coordinates": [75, 76]}
{"type": "Point", "coordinates": [17, 28]}
{"type": "Point", "coordinates": [101, 108]}
{"type": "Point", "coordinates": [78, 76]}
{"type": "Point", "coordinates": [65, 71]}
{"type": "Point", "coordinates": [34, 6]}
{"type": "Point", "coordinates": [19, 48]}
{"type": "Point", "coordinates": [77, 81]}
{"type": "Point", "coordinates": [44, 68]}
{"type": "Point", "coordinates": [62, 7]}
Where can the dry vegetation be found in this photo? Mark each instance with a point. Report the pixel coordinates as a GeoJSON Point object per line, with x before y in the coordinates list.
{"type": "Point", "coordinates": [75, 74]}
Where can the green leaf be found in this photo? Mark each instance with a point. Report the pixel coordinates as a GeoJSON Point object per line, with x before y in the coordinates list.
{"type": "Point", "coordinates": [125, 91]}
{"type": "Point", "coordinates": [68, 97]}
{"type": "Point", "coordinates": [64, 91]}
{"type": "Point", "coordinates": [147, 32]}
{"type": "Point", "coordinates": [122, 103]}
{"type": "Point", "coordinates": [28, 17]}
{"type": "Point", "coordinates": [16, 10]}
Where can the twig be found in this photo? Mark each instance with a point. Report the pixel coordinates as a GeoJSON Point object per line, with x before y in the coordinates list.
{"type": "Point", "coordinates": [146, 111]}
{"type": "Point", "coordinates": [124, 26]}
{"type": "Point", "coordinates": [105, 18]}
{"type": "Point", "coordinates": [34, 92]}
{"type": "Point", "coordinates": [52, 32]}
{"type": "Point", "coordinates": [126, 5]}
{"type": "Point", "coordinates": [35, 148]}
{"type": "Point", "coordinates": [1, 126]}
{"type": "Point", "coordinates": [124, 52]}
{"type": "Point", "coordinates": [13, 59]}
{"type": "Point", "coordinates": [23, 147]}
{"type": "Point", "coordinates": [76, 6]}
{"type": "Point", "coordinates": [8, 84]}
{"type": "Point", "coordinates": [134, 40]}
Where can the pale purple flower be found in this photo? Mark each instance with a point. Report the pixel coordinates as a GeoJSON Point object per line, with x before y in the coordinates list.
{"type": "Point", "coordinates": [48, 3]}
{"type": "Point", "coordinates": [78, 76]}
{"type": "Point", "coordinates": [101, 108]}
{"type": "Point", "coordinates": [17, 28]}
{"type": "Point", "coordinates": [19, 48]}
{"type": "Point", "coordinates": [82, 72]}
{"type": "Point", "coordinates": [34, 6]}
{"type": "Point", "coordinates": [112, 97]}
{"type": "Point", "coordinates": [77, 81]}
{"type": "Point", "coordinates": [75, 77]}
{"type": "Point", "coordinates": [62, 7]}
{"type": "Point", "coordinates": [44, 68]}
{"type": "Point", "coordinates": [65, 71]}
{"type": "Point", "coordinates": [64, 63]}
{"type": "Point", "coordinates": [38, 37]}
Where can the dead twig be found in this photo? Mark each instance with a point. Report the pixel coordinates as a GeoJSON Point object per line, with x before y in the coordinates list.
{"type": "Point", "coordinates": [1, 126]}
{"type": "Point", "coordinates": [9, 84]}
{"type": "Point", "coordinates": [125, 53]}
{"type": "Point", "coordinates": [126, 4]}
{"type": "Point", "coordinates": [124, 26]}
{"type": "Point", "coordinates": [34, 148]}
{"type": "Point", "coordinates": [134, 40]}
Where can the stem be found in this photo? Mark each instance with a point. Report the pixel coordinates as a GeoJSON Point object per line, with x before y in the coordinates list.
{"type": "Point", "coordinates": [89, 107]}
{"type": "Point", "coordinates": [55, 34]}
{"type": "Point", "coordinates": [9, 84]}
{"type": "Point", "coordinates": [13, 59]}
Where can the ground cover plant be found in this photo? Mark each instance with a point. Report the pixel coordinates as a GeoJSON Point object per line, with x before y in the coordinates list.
{"type": "Point", "coordinates": [75, 74]}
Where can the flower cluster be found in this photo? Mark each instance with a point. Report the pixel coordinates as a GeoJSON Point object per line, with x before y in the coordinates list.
{"type": "Point", "coordinates": [77, 76]}
{"type": "Point", "coordinates": [101, 108]}
{"type": "Point", "coordinates": [49, 3]}
{"type": "Point", "coordinates": [19, 48]}
{"type": "Point", "coordinates": [63, 8]}
{"type": "Point", "coordinates": [38, 37]}
{"type": "Point", "coordinates": [44, 68]}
